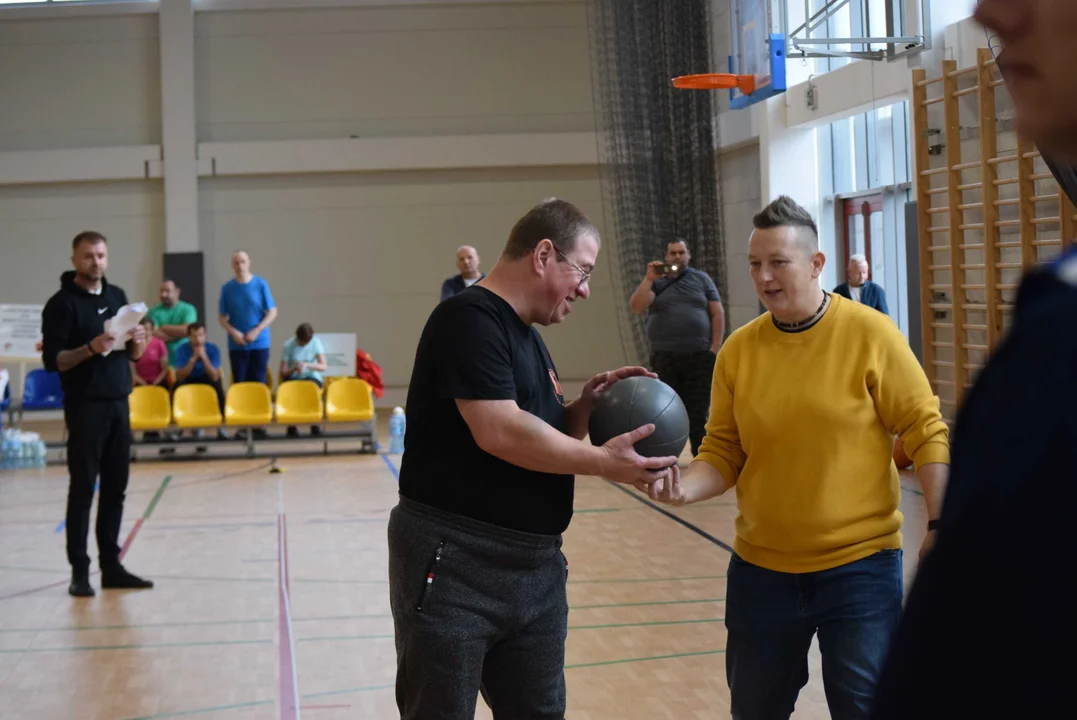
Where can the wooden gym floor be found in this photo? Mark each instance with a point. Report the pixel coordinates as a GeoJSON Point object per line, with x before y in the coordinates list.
{"type": "Point", "coordinates": [212, 639]}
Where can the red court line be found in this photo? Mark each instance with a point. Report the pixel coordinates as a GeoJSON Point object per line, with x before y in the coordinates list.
{"type": "Point", "coordinates": [130, 537]}
{"type": "Point", "coordinates": [289, 695]}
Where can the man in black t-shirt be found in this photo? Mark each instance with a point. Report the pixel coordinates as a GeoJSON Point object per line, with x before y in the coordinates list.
{"type": "Point", "coordinates": [476, 574]}
{"type": "Point", "coordinates": [989, 622]}
{"type": "Point", "coordinates": [95, 373]}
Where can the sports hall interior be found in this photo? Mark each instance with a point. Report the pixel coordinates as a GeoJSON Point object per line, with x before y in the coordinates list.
{"type": "Point", "coordinates": [350, 147]}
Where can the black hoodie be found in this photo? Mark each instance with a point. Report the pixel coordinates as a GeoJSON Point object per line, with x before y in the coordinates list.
{"type": "Point", "coordinates": [72, 318]}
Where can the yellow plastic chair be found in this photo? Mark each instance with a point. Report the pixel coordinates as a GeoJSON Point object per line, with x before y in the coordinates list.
{"type": "Point", "coordinates": [248, 403]}
{"type": "Point", "coordinates": [349, 400]}
{"type": "Point", "coordinates": [150, 408]}
{"type": "Point", "coordinates": [195, 406]}
{"type": "Point", "coordinates": [299, 402]}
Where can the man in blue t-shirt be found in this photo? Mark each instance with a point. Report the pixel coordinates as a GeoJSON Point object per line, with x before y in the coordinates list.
{"type": "Point", "coordinates": [246, 312]}
{"type": "Point", "coordinates": [303, 358]}
{"type": "Point", "coordinates": [198, 362]}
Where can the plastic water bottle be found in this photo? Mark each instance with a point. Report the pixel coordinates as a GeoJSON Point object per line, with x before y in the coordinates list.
{"type": "Point", "coordinates": [397, 426]}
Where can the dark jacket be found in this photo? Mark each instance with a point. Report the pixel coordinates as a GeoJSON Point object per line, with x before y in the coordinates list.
{"type": "Point", "coordinates": [72, 318]}
{"type": "Point", "coordinates": [989, 603]}
{"type": "Point", "coordinates": [454, 285]}
{"type": "Point", "coordinates": [871, 294]}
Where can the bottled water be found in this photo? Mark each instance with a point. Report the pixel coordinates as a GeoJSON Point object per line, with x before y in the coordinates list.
{"type": "Point", "coordinates": [21, 450]}
{"type": "Point", "coordinates": [397, 425]}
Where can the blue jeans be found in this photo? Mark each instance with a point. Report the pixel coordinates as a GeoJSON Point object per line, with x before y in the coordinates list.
{"type": "Point", "coordinates": [249, 365]}
{"type": "Point", "coordinates": [772, 616]}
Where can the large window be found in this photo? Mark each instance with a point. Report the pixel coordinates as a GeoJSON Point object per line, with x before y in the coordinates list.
{"type": "Point", "coordinates": [865, 169]}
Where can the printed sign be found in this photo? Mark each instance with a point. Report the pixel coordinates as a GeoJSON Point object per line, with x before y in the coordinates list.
{"type": "Point", "coordinates": [339, 354]}
{"type": "Point", "coordinates": [20, 331]}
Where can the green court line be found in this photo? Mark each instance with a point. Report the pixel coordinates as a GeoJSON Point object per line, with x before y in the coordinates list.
{"type": "Point", "coordinates": [207, 578]}
{"type": "Point", "coordinates": [328, 618]}
{"type": "Point", "coordinates": [645, 604]}
{"type": "Point", "coordinates": [644, 659]}
{"type": "Point", "coordinates": [136, 646]}
{"type": "Point", "coordinates": [335, 638]}
{"type": "Point", "coordinates": [645, 624]}
{"type": "Point", "coordinates": [156, 497]}
{"type": "Point", "coordinates": [202, 711]}
{"type": "Point", "coordinates": [347, 691]}
{"type": "Point", "coordinates": [646, 580]}
{"type": "Point", "coordinates": [597, 510]}
{"type": "Point", "coordinates": [24, 568]}
{"type": "Point", "coordinates": [909, 489]}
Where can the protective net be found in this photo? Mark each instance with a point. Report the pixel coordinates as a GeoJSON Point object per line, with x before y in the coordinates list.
{"type": "Point", "coordinates": [657, 144]}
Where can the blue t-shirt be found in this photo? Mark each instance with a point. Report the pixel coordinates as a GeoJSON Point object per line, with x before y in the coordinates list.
{"type": "Point", "coordinates": [183, 356]}
{"type": "Point", "coordinates": [295, 353]}
{"type": "Point", "coordinates": [246, 305]}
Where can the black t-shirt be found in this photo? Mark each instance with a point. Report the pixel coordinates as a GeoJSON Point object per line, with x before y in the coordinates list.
{"type": "Point", "coordinates": [475, 347]}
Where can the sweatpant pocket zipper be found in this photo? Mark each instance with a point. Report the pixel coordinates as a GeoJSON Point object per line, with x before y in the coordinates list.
{"type": "Point", "coordinates": [430, 576]}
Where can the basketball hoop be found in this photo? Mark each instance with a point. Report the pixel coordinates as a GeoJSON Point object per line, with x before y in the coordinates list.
{"type": "Point", "coordinates": [716, 81]}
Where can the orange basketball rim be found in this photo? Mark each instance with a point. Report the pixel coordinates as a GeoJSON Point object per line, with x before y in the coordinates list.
{"type": "Point", "coordinates": [716, 81]}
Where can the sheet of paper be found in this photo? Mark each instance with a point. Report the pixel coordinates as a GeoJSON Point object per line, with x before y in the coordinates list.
{"type": "Point", "coordinates": [120, 325]}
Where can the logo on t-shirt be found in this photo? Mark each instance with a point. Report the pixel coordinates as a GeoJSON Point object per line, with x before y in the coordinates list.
{"type": "Point", "coordinates": [557, 387]}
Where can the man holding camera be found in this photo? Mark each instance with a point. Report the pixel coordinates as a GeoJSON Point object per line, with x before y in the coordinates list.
{"type": "Point", "coordinates": [685, 325]}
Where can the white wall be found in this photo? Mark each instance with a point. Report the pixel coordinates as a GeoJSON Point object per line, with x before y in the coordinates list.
{"type": "Point", "coordinates": [740, 201]}
{"type": "Point", "coordinates": [334, 228]}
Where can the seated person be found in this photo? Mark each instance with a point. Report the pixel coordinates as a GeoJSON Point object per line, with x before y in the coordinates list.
{"type": "Point", "coordinates": [152, 367]}
{"type": "Point", "coordinates": [198, 362]}
{"type": "Point", "coordinates": [303, 358]}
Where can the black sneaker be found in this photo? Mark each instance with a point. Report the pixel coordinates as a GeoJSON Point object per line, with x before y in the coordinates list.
{"type": "Point", "coordinates": [80, 586]}
{"type": "Point", "coordinates": [119, 579]}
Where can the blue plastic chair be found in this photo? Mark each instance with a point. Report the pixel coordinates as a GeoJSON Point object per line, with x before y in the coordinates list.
{"type": "Point", "coordinates": [42, 391]}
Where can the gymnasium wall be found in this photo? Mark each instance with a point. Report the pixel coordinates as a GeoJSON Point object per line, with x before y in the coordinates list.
{"type": "Point", "coordinates": [740, 202]}
{"type": "Point", "coordinates": [349, 251]}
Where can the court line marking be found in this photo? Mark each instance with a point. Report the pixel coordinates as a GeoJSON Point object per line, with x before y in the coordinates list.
{"type": "Point", "coordinates": [671, 516]}
{"type": "Point", "coordinates": [202, 711]}
{"type": "Point", "coordinates": [289, 684]}
{"type": "Point", "coordinates": [392, 468]}
{"type": "Point", "coordinates": [134, 646]}
{"type": "Point", "coordinates": [330, 618]}
{"type": "Point", "coordinates": [123, 550]}
{"type": "Point", "coordinates": [63, 523]}
{"type": "Point", "coordinates": [574, 666]}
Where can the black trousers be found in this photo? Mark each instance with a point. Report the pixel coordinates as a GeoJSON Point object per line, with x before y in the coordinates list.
{"type": "Point", "coordinates": [476, 608]}
{"type": "Point", "coordinates": [690, 375]}
{"type": "Point", "coordinates": [98, 444]}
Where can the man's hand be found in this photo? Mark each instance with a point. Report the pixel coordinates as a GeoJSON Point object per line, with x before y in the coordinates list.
{"type": "Point", "coordinates": [668, 490]}
{"type": "Point", "coordinates": [161, 335]}
{"type": "Point", "coordinates": [605, 380]}
{"type": "Point", "coordinates": [252, 334]}
{"type": "Point", "coordinates": [624, 465]}
{"type": "Point", "coordinates": [300, 367]}
{"type": "Point", "coordinates": [102, 343]}
{"type": "Point", "coordinates": [654, 269]}
{"type": "Point", "coordinates": [239, 337]}
{"type": "Point", "coordinates": [929, 542]}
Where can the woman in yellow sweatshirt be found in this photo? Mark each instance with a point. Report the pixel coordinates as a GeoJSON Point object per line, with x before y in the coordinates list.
{"type": "Point", "coordinates": [805, 403]}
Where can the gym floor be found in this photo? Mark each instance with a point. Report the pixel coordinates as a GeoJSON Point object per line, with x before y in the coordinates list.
{"type": "Point", "coordinates": [210, 641]}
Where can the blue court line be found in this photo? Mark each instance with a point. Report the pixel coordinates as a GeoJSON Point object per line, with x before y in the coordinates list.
{"type": "Point", "coordinates": [392, 468]}
{"type": "Point", "coordinates": [63, 523]}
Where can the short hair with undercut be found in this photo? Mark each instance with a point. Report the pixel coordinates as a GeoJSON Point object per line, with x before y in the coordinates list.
{"type": "Point", "coordinates": [558, 221]}
{"type": "Point", "coordinates": [785, 212]}
{"type": "Point", "coordinates": [88, 236]}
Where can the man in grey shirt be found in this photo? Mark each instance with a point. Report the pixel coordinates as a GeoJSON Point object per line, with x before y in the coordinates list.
{"type": "Point", "coordinates": [686, 326]}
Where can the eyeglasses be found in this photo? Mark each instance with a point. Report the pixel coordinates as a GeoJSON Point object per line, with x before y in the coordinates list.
{"type": "Point", "coordinates": [584, 275]}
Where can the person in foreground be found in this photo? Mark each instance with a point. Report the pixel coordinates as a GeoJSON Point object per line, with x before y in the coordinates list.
{"type": "Point", "coordinates": [476, 574]}
{"type": "Point", "coordinates": [989, 621]}
{"type": "Point", "coordinates": [821, 387]}
{"type": "Point", "coordinates": [95, 373]}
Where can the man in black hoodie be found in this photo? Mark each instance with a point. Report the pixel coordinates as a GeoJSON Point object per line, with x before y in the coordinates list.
{"type": "Point", "coordinates": [95, 387]}
{"type": "Point", "coordinates": [990, 623]}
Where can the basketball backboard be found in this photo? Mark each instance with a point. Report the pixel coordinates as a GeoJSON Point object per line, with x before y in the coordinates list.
{"type": "Point", "coordinates": [758, 48]}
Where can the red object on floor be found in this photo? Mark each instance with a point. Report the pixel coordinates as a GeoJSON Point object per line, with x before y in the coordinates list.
{"type": "Point", "coordinates": [901, 459]}
{"type": "Point", "coordinates": [367, 369]}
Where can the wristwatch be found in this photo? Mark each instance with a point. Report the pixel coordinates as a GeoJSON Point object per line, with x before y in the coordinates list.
{"type": "Point", "coordinates": [932, 525]}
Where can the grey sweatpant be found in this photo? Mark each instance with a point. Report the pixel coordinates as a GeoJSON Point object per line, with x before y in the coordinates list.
{"type": "Point", "coordinates": [476, 607]}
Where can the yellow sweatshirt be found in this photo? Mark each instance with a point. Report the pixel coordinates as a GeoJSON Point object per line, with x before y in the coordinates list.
{"type": "Point", "coordinates": [804, 423]}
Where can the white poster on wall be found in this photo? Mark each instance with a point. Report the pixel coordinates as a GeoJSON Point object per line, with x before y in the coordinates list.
{"type": "Point", "coordinates": [339, 353]}
{"type": "Point", "coordinates": [20, 331]}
